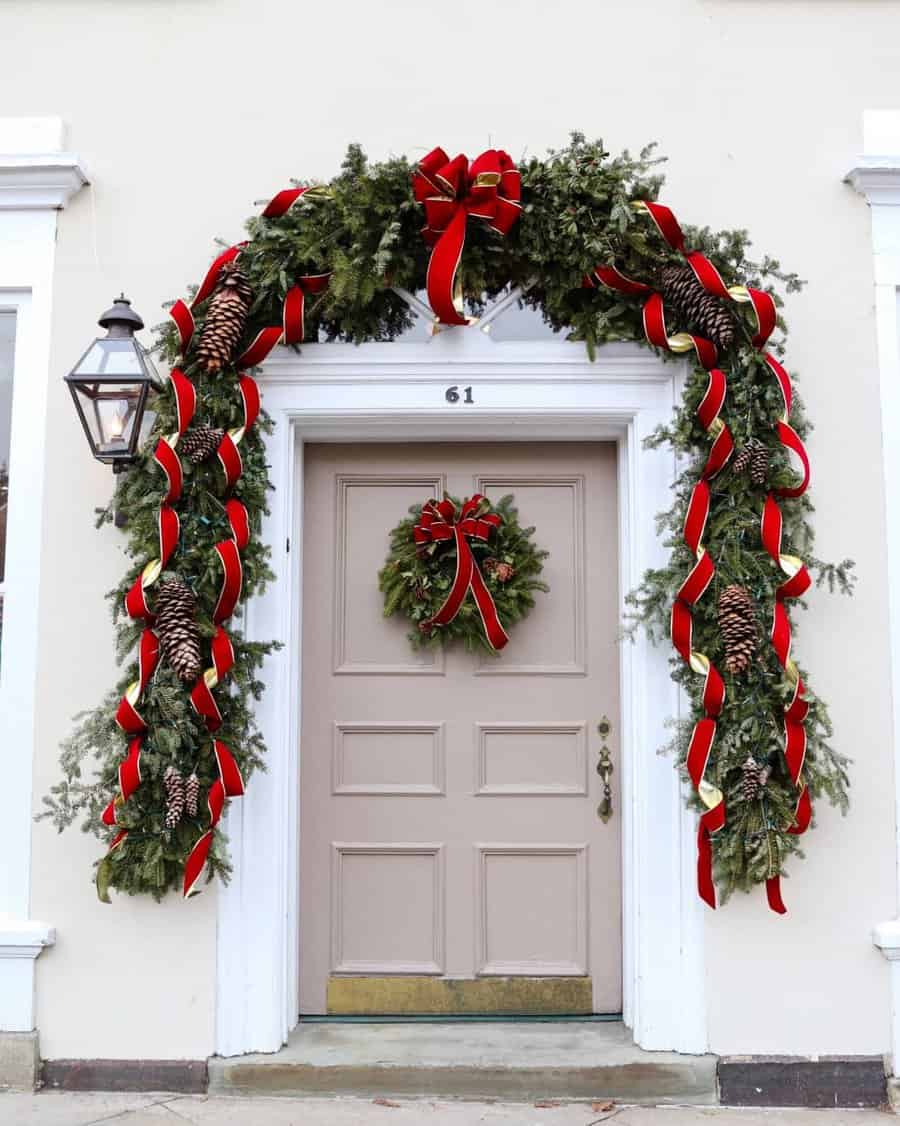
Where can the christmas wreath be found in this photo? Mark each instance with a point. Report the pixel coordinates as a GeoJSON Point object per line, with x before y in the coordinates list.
{"type": "Point", "coordinates": [462, 570]}
{"type": "Point", "coordinates": [583, 237]}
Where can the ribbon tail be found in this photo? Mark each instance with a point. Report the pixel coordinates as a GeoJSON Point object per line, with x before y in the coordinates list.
{"type": "Point", "coordinates": [493, 630]}
{"type": "Point", "coordinates": [465, 565]}
{"type": "Point", "coordinates": [706, 887]}
{"type": "Point", "coordinates": [443, 267]}
{"type": "Point", "coordinates": [773, 894]}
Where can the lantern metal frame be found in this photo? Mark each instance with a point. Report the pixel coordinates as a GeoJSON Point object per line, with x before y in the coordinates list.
{"type": "Point", "coordinates": [89, 390]}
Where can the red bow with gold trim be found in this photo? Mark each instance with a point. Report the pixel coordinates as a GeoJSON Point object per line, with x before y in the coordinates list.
{"type": "Point", "coordinates": [441, 523]}
{"type": "Point", "coordinates": [490, 188]}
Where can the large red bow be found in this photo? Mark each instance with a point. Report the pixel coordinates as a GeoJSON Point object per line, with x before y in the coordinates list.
{"type": "Point", "coordinates": [452, 190]}
{"type": "Point", "coordinates": [439, 523]}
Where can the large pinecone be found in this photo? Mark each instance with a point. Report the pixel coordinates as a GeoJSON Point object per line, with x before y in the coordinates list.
{"type": "Point", "coordinates": [755, 457]}
{"type": "Point", "coordinates": [737, 622]}
{"type": "Point", "coordinates": [174, 786]}
{"type": "Point", "coordinates": [200, 442]}
{"type": "Point", "coordinates": [698, 311]}
{"type": "Point", "coordinates": [179, 638]}
{"type": "Point", "coordinates": [225, 319]}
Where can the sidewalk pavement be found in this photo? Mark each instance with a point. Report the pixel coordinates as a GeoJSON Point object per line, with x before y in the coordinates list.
{"type": "Point", "coordinates": [53, 1108]}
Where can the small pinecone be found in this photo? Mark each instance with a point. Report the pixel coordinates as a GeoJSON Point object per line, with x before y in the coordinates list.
{"type": "Point", "coordinates": [750, 778]}
{"type": "Point", "coordinates": [759, 464]}
{"type": "Point", "coordinates": [175, 796]}
{"type": "Point", "coordinates": [191, 794]}
{"type": "Point", "coordinates": [738, 625]}
{"type": "Point", "coordinates": [225, 320]}
{"type": "Point", "coordinates": [179, 638]}
{"type": "Point", "coordinates": [699, 310]}
{"type": "Point", "coordinates": [420, 592]}
{"type": "Point", "coordinates": [755, 457]}
{"type": "Point", "coordinates": [200, 443]}
{"type": "Point", "coordinates": [501, 570]}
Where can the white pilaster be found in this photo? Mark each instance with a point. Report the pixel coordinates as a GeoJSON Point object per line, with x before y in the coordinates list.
{"type": "Point", "coordinates": [877, 177]}
{"type": "Point", "coordinates": [37, 178]}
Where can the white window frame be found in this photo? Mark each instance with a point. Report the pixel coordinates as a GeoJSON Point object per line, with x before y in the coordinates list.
{"type": "Point", "coordinates": [543, 390]}
{"type": "Point", "coordinates": [37, 179]}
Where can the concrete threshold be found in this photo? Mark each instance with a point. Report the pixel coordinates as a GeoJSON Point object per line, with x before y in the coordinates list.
{"type": "Point", "coordinates": [527, 1060]}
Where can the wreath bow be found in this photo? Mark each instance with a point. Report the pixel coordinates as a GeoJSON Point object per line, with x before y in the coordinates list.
{"type": "Point", "coordinates": [489, 188]}
{"type": "Point", "coordinates": [440, 522]}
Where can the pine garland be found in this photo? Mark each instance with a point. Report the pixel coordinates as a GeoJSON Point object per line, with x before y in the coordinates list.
{"type": "Point", "coordinates": [415, 585]}
{"type": "Point", "coordinates": [365, 228]}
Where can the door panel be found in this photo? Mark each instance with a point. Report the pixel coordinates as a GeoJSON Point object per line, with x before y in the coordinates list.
{"type": "Point", "coordinates": [451, 856]}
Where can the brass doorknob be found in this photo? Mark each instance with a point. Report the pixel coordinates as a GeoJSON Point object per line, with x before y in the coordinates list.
{"type": "Point", "coordinates": [605, 769]}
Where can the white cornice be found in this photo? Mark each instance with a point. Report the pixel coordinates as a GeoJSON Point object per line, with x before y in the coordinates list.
{"type": "Point", "coordinates": [37, 181]}
{"type": "Point", "coordinates": [877, 178]}
{"type": "Point", "coordinates": [24, 938]}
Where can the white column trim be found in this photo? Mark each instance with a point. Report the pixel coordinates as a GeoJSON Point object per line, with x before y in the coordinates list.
{"type": "Point", "coordinates": [34, 183]}
{"type": "Point", "coordinates": [40, 181]}
{"type": "Point", "coordinates": [524, 391]}
{"type": "Point", "coordinates": [877, 177]}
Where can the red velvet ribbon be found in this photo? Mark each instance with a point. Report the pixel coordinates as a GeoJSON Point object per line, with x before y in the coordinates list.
{"type": "Point", "coordinates": [229, 784]}
{"type": "Point", "coordinates": [132, 723]}
{"type": "Point", "coordinates": [798, 580]}
{"type": "Point", "coordinates": [440, 523]}
{"type": "Point", "coordinates": [451, 191]}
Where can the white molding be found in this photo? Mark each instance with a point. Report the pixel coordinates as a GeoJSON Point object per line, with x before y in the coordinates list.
{"type": "Point", "coordinates": [32, 188]}
{"type": "Point", "coordinates": [523, 391]}
{"type": "Point", "coordinates": [877, 177]}
{"type": "Point", "coordinates": [20, 944]}
{"type": "Point", "coordinates": [40, 182]}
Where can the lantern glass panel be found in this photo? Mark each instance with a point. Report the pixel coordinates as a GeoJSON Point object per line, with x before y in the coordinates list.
{"type": "Point", "coordinates": [110, 357]}
{"type": "Point", "coordinates": [108, 412]}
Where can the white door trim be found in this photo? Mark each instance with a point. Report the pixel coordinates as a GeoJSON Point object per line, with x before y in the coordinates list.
{"type": "Point", "coordinates": [544, 390]}
{"type": "Point", "coordinates": [877, 177]}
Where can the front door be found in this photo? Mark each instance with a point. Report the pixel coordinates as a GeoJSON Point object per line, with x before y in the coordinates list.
{"type": "Point", "coordinates": [452, 859]}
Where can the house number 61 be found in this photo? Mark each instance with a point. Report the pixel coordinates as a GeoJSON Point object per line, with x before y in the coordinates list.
{"type": "Point", "coordinates": [452, 394]}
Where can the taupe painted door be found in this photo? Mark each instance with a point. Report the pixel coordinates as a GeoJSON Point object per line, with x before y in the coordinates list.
{"type": "Point", "coordinates": [448, 802]}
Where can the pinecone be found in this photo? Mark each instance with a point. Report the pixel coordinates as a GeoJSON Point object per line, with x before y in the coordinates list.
{"type": "Point", "coordinates": [174, 786]}
{"type": "Point", "coordinates": [225, 319]}
{"type": "Point", "coordinates": [759, 465]}
{"type": "Point", "coordinates": [191, 794]}
{"type": "Point", "coordinates": [750, 778]}
{"type": "Point", "coordinates": [179, 638]}
{"type": "Point", "coordinates": [200, 443]}
{"type": "Point", "coordinates": [755, 457]}
{"type": "Point", "coordinates": [738, 625]}
{"type": "Point", "coordinates": [698, 310]}
{"type": "Point", "coordinates": [502, 571]}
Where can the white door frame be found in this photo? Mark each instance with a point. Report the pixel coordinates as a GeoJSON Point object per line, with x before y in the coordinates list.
{"type": "Point", "coordinates": [542, 390]}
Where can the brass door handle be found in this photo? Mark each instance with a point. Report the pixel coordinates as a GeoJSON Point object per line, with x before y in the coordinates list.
{"type": "Point", "coordinates": [605, 769]}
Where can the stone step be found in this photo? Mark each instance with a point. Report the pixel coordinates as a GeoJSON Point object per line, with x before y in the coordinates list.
{"type": "Point", "coordinates": [522, 1060]}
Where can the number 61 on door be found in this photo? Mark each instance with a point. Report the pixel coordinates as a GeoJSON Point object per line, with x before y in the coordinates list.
{"type": "Point", "coordinates": [452, 395]}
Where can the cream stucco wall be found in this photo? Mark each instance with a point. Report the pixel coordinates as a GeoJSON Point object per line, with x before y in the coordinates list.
{"type": "Point", "coordinates": [186, 112]}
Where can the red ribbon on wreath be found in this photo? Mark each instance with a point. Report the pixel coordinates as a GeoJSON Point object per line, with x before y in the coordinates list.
{"type": "Point", "coordinates": [440, 523]}
{"type": "Point", "coordinates": [490, 188]}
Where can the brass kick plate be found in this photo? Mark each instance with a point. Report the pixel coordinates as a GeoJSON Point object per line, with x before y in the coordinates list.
{"type": "Point", "coordinates": [418, 996]}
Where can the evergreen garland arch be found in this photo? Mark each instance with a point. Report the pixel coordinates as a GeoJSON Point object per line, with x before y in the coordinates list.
{"type": "Point", "coordinates": [595, 254]}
